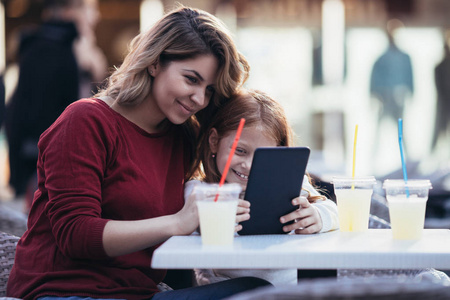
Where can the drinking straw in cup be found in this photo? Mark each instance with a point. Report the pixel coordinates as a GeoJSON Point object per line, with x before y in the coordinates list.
{"type": "Point", "coordinates": [400, 142]}
{"type": "Point", "coordinates": [354, 154]}
{"type": "Point", "coordinates": [230, 156]}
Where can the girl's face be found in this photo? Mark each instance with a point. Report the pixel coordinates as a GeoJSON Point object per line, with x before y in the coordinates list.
{"type": "Point", "coordinates": [182, 88]}
{"type": "Point", "coordinates": [251, 138]}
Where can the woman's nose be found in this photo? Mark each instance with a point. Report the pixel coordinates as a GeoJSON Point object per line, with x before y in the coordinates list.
{"type": "Point", "coordinates": [199, 97]}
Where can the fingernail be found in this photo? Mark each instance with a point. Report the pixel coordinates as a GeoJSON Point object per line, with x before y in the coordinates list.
{"type": "Point", "coordinates": [282, 220]}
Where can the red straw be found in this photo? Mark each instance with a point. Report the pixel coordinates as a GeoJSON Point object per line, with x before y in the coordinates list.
{"type": "Point", "coordinates": [230, 156]}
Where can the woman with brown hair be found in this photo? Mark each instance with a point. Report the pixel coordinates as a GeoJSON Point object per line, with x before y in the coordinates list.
{"type": "Point", "coordinates": [111, 169]}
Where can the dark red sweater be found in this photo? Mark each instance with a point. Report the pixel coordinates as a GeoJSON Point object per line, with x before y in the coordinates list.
{"type": "Point", "coordinates": [94, 165]}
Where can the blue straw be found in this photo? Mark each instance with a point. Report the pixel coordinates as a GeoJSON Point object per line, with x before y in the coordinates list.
{"type": "Point", "coordinates": [400, 142]}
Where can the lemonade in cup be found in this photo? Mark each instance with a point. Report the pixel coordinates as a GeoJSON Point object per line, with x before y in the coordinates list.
{"type": "Point", "coordinates": [217, 216]}
{"type": "Point", "coordinates": [407, 206]}
{"type": "Point", "coordinates": [353, 195]}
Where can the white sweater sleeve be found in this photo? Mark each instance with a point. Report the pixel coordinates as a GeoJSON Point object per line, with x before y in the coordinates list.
{"type": "Point", "coordinates": [326, 208]}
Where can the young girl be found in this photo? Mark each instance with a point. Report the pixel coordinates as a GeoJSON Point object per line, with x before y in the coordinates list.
{"type": "Point", "coordinates": [265, 126]}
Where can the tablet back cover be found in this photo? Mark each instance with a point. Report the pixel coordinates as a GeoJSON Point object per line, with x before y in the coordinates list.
{"type": "Point", "coordinates": [275, 178]}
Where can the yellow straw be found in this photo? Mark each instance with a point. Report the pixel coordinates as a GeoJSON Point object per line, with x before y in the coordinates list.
{"type": "Point", "coordinates": [354, 155]}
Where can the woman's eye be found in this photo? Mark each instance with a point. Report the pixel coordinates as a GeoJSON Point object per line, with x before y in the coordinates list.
{"type": "Point", "coordinates": [210, 90]}
{"type": "Point", "coordinates": [192, 79]}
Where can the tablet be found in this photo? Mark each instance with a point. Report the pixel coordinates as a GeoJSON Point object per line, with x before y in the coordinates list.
{"type": "Point", "coordinates": [275, 178]}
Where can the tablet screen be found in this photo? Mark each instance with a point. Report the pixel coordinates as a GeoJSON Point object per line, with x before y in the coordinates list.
{"type": "Point", "coordinates": [275, 178]}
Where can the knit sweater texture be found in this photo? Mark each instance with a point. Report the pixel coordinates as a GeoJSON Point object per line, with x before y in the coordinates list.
{"type": "Point", "coordinates": [94, 166]}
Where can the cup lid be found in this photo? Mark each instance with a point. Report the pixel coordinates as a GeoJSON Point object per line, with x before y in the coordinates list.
{"type": "Point", "coordinates": [354, 180]}
{"type": "Point", "coordinates": [214, 187]}
{"type": "Point", "coordinates": [411, 183]}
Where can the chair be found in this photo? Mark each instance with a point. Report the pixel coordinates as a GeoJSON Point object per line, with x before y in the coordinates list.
{"type": "Point", "coordinates": [362, 289]}
{"type": "Point", "coordinates": [162, 287]}
{"type": "Point", "coordinates": [379, 208]}
{"type": "Point", "coordinates": [12, 221]}
{"type": "Point", "coordinates": [8, 245]}
{"type": "Point", "coordinates": [377, 222]}
{"type": "Point", "coordinates": [429, 274]}
{"type": "Point", "coordinates": [7, 251]}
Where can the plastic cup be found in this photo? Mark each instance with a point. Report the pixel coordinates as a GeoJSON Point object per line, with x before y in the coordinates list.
{"type": "Point", "coordinates": [407, 214]}
{"type": "Point", "coordinates": [217, 218]}
{"type": "Point", "coordinates": [353, 195]}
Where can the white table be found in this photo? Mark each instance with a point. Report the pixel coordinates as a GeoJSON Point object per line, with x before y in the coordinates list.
{"type": "Point", "coordinates": [374, 249]}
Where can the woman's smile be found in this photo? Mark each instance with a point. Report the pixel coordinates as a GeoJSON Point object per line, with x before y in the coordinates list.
{"type": "Point", "coordinates": [188, 110]}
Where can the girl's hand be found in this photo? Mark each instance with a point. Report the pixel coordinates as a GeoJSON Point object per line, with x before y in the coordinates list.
{"type": "Point", "coordinates": [306, 218]}
{"type": "Point", "coordinates": [243, 213]}
{"type": "Point", "coordinates": [187, 217]}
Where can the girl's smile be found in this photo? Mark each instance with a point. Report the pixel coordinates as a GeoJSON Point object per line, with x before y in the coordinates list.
{"type": "Point", "coordinates": [240, 175]}
{"type": "Point", "coordinates": [251, 138]}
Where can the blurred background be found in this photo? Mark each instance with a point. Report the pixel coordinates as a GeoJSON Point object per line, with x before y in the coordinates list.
{"type": "Point", "coordinates": [333, 64]}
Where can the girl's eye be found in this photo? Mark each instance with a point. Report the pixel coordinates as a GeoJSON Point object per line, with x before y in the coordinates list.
{"type": "Point", "coordinates": [240, 151]}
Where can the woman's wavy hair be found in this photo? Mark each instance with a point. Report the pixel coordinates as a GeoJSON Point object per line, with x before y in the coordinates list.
{"type": "Point", "coordinates": [258, 109]}
{"type": "Point", "coordinates": [183, 33]}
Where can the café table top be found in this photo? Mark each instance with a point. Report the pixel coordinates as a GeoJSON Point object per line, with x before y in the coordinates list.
{"type": "Point", "coordinates": [374, 249]}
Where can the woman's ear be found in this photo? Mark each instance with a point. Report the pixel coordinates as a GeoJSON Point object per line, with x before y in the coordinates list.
{"type": "Point", "coordinates": [213, 140]}
{"type": "Point", "coordinates": [153, 69]}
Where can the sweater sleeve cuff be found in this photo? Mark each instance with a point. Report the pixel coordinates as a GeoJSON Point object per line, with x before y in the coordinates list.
{"type": "Point", "coordinates": [97, 229]}
{"type": "Point", "coordinates": [327, 223]}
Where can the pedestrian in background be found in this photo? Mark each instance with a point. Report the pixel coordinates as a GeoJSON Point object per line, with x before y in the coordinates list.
{"type": "Point", "coordinates": [52, 66]}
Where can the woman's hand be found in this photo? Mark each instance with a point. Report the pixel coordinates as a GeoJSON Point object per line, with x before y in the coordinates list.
{"type": "Point", "coordinates": [125, 237]}
{"type": "Point", "coordinates": [306, 218]}
{"type": "Point", "coordinates": [188, 219]}
{"type": "Point", "coordinates": [243, 213]}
